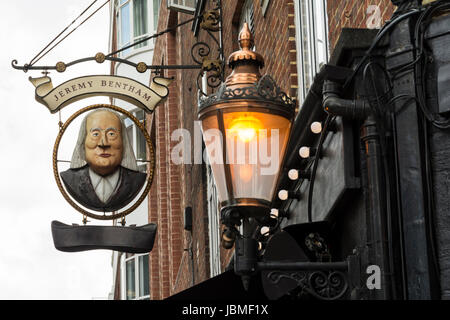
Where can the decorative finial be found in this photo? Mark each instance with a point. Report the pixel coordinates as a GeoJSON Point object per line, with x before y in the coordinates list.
{"type": "Point", "coordinates": [246, 41]}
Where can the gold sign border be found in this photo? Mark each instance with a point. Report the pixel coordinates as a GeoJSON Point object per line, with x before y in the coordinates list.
{"type": "Point", "coordinates": [149, 174]}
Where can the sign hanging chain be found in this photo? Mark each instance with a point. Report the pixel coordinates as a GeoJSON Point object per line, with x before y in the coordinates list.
{"type": "Point", "coordinates": [60, 123]}
{"type": "Point", "coordinates": [36, 59]}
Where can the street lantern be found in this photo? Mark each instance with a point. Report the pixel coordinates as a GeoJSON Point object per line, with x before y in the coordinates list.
{"type": "Point", "coordinates": [246, 126]}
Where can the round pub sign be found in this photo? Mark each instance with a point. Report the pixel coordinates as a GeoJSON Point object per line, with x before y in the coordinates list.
{"type": "Point", "coordinates": [103, 181]}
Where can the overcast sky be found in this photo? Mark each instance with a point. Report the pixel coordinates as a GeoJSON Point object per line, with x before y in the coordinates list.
{"type": "Point", "coordinates": [30, 266]}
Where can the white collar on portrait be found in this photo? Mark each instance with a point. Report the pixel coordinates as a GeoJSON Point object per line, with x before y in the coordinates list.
{"type": "Point", "coordinates": [104, 186]}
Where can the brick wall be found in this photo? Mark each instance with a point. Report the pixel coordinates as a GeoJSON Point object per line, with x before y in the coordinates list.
{"type": "Point", "coordinates": [274, 49]}
{"type": "Point", "coordinates": [278, 51]}
{"type": "Point", "coordinates": [354, 14]}
{"type": "Point", "coordinates": [178, 186]}
{"type": "Point", "coordinates": [158, 202]}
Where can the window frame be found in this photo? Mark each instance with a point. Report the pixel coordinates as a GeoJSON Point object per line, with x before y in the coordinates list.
{"type": "Point", "coordinates": [150, 27]}
{"type": "Point", "coordinates": [135, 135]}
{"type": "Point", "coordinates": [264, 5]}
{"type": "Point", "coordinates": [311, 41]}
{"type": "Point", "coordinates": [181, 7]}
{"type": "Point", "coordinates": [212, 202]}
{"type": "Point", "coordinates": [137, 277]}
{"type": "Point", "coordinates": [247, 13]}
{"type": "Point", "coordinates": [213, 224]}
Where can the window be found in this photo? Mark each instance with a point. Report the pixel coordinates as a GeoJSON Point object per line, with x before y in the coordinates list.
{"type": "Point", "coordinates": [140, 22]}
{"type": "Point", "coordinates": [312, 41]}
{"type": "Point", "coordinates": [213, 225]}
{"type": "Point", "coordinates": [186, 6]}
{"type": "Point", "coordinates": [212, 201]}
{"type": "Point", "coordinates": [135, 23]}
{"type": "Point", "coordinates": [130, 279]}
{"type": "Point", "coordinates": [137, 139]}
{"type": "Point", "coordinates": [135, 279]}
{"type": "Point", "coordinates": [247, 15]}
{"type": "Point", "coordinates": [156, 4]}
{"type": "Point", "coordinates": [264, 5]}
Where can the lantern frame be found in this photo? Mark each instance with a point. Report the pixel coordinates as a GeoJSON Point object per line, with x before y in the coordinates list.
{"type": "Point", "coordinates": [245, 90]}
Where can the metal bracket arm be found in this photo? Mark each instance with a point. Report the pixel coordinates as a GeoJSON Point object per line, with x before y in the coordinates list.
{"type": "Point", "coordinates": [141, 67]}
{"type": "Point", "coordinates": [322, 280]}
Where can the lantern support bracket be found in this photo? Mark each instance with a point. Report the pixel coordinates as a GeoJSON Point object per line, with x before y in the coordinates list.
{"type": "Point", "coordinates": [322, 280]}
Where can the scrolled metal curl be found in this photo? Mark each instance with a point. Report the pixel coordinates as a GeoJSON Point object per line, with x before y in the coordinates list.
{"type": "Point", "coordinates": [200, 51]}
{"type": "Point", "coordinates": [268, 89]}
{"type": "Point", "coordinates": [331, 286]}
{"type": "Point", "coordinates": [319, 284]}
{"type": "Point", "coordinates": [298, 276]}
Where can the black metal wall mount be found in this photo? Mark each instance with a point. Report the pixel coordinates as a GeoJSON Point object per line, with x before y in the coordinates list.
{"type": "Point", "coordinates": [321, 280]}
{"type": "Point", "coordinates": [288, 274]}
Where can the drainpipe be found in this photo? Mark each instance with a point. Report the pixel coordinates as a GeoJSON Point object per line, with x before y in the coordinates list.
{"type": "Point", "coordinates": [377, 203]}
{"type": "Point", "coordinates": [333, 104]}
{"type": "Point", "coordinates": [375, 195]}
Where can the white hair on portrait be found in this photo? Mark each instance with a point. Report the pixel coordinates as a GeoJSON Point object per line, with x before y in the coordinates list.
{"type": "Point", "coordinates": [79, 155]}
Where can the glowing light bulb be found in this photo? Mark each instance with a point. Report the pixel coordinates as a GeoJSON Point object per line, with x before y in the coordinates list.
{"type": "Point", "coordinates": [265, 230]}
{"type": "Point", "coordinates": [293, 174]}
{"type": "Point", "coordinates": [283, 195]}
{"type": "Point", "coordinates": [316, 127]}
{"type": "Point", "coordinates": [246, 127]}
{"type": "Point", "coordinates": [304, 152]}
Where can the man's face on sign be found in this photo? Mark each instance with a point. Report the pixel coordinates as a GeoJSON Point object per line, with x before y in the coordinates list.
{"type": "Point", "coordinates": [103, 144]}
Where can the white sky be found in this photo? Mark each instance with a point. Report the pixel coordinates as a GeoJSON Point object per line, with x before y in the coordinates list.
{"type": "Point", "coordinates": [30, 266]}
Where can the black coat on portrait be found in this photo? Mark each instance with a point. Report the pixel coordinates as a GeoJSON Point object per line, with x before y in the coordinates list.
{"type": "Point", "coordinates": [79, 186]}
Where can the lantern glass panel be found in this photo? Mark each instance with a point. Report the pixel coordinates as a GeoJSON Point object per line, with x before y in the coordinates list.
{"type": "Point", "coordinates": [255, 143]}
{"type": "Point", "coordinates": [214, 147]}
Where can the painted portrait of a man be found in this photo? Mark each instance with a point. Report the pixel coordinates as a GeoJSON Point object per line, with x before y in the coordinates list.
{"type": "Point", "coordinates": [103, 172]}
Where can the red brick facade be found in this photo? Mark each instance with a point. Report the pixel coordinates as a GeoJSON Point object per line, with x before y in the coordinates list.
{"type": "Point", "coordinates": [353, 14]}
{"type": "Point", "coordinates": [178, 186]}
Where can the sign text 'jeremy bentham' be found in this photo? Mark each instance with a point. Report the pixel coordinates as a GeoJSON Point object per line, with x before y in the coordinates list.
{"type": "Point", "coordinates": [100, 85]}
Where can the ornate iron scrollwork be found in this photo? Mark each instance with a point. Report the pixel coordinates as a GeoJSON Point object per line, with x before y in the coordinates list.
{"type": "Point", "coordinates": [268, 89]}
{"type": "Point", "coordinates": [211, 20]}
{"type": "Point", "coordinates": [205, 60]}
{"type": "Point", "coordinates": [323, 285]}
{"type": "Point", "coordinates": [264, 90]}
{"type": "Point", "coordinates": [200, 53]}
{"type": "Point", "coordinates": [213, 66]}
{"type": "Point", "coordinates": [315, 243]}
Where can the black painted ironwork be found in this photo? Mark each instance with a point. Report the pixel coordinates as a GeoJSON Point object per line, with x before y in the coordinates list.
{"type": "Point", "coordinates": [266, 90]}
{"type": "Point", "coordinates": [321, 279]}
{"type": "Point", "coordinates": [140, 67]}
{"type": "Point", "coordinates": [323, 285]}
{"type": "Point", "coordinates": [76, 238]}
{"type": "Point", "coordinates": [201, 53]}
